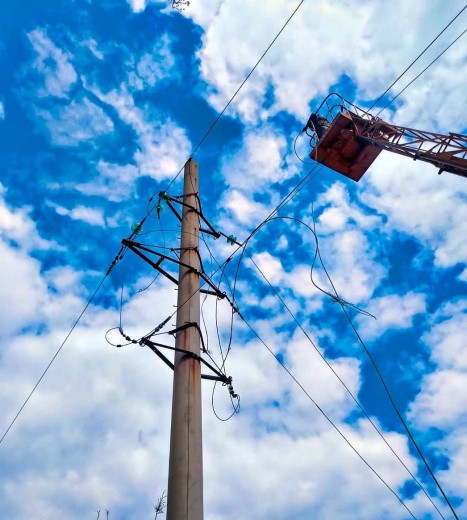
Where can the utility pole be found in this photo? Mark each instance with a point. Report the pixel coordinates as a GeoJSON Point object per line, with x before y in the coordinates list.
{"type": "Point", "coordinates": [185, 487]}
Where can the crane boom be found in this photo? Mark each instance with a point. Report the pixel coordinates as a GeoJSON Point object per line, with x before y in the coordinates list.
{"type": "Point", "coordinates": [352, 141]}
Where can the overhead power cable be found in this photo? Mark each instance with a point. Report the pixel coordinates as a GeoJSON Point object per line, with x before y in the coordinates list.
{"type": "Point", "coordinates": [149, 209]}
{"type": "Point", "coordinates": [54, 357]}
{"type": "Point", "coordinates": [417, 58]}
{"type": "Point", "coordinates": [331, 422]}
{"type": "Point", "coordinates": [356, 401]}
{"type": "Point", "coordinates": [399, 415]}
{"type": "Point", "coordinates": [234, 95]}
{"type": "Point", "coordinates": [385, 387]}
{"type": "Point", "coordinates": [292, 194]}
{"type": "Point", "coordinates": [422, 72]}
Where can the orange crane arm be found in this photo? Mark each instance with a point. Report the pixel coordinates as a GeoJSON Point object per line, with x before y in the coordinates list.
{"type": "Point", "coordinates": [352, 141]}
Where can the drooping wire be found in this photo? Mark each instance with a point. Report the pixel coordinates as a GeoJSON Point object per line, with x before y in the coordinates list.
{"type": "Point", "coordinates": [291, 195]}
{"type": "Point", "coordinates": [235, 406]}
{"type": "Point", "coordinates": [206, 350]}
{"type": "Point", "coordinates": [118, 345]}
{"type": "Point", "coordinates": [391, 399]}
{"type": "Point", "coordinates": [399, 415]}
{"type": "Point", "coordinates": [295, 150]}
{"type": "Point", "coordinates": [157, 332]}
{"type": "Point", "coordinates": [335, 297]}
{"type": "Point", "coordinates": [356, 401]}
{"type": "Point", "coordinates": [417, 58]}
{"type": "Point", "coordinates": [330, 421]}
{"type": "Point", "coordinates": [204, 320]}
{"type": "Point", "coordinates": [149, 210]}
{"type": "Point", "coordinates": [422, 72]}
{"type": "Point", "coordinates": [150, 284]}
{"type": "Point", "coordinates": [54, 357]}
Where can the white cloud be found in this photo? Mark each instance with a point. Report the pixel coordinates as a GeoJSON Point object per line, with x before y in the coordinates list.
{"type": "Point", "coordinates": [243, 208]}
{"type": "Point", "coordinates": [305, 296]}
{"type": "Point", "coordinates": [162, 144]}
{"type": "Point", "coordinates": [307, 59]}
{"type": "Point", "coordinates": [270, 266]}
{"type": "Point", "coordinates": [100, 419]}
{"type": "Point", "coordinates": [92, 45]}
{"type": "Point", "coordinates": [436, 101]}
{"type": "Point", "coordinates": [68, 123]}
{"type": "Point", "coordinates": [137, 6]}
{"type": "Point", "coordinates": [154, 66]}
{"type": "Point", "coordinates": [261, 160]}
{"type": "Point", "coordinates": [115, 181]}
{"type": "Point", "coordinates": [338, 213]}
{"type": "Point", "coordinates": [76, 123]}
{"type": "Point", "coordinates": [53, 64]}
{"type": "Point", "coordinates": [21, 291]}
{"type": "Point", "coordinates": [203, 13]}
{"type": "Point", "coordinates": [419, 202]}
{"type": "Point", "coordinates": [441, 401]}
{"type": "Point", "coordinates": [349, 258]}
{"type": "Point", "coordinates": [92, 216]}
{"type": "Point", "coordinates": [393, 311]}
{"type": "Point", "coordinates": [2, 110]}
{"type": "Point", "coordinates": [17, 226]}
{"type": "Point", "coordinates": [93, 442]}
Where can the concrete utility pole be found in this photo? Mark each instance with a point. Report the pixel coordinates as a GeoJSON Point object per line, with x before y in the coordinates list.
{"type": "Point", "coordinates": [185, 489]}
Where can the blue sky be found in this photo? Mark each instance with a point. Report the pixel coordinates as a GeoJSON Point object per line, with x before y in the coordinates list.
{"type": "Point", "coordinates": [101, 103]}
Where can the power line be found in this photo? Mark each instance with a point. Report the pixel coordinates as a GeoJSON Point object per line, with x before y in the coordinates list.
{"type": "Point", "coordinates": [423, 71]}
{"type": "Point", "coordinates": [418, 57]}
{"type": "Point", "coordinates": [216, 120]}
{"type": "Point", "coordinates": [399, 415]}
{"type": "Point", "coordinates": [291, 195]}
{"type": "Point", "coordinates": [379, 373]}
{"type": "Point", "coordinates": [54, 357]}
{"type": "Point", "coordinates": [300, 185]}
{"type": "Point", "coordinates": [331, 422]}
{"type": "Point", "coordinates": [214, 123]}
{"type": "Point", "coordinates": [356, 401]}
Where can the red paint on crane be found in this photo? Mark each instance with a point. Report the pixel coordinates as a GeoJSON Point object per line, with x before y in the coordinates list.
{"type": "Point", "coordinates": [341, 150]}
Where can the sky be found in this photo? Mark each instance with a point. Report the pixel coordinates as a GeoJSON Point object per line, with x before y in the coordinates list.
{"type": "Point", "coordinates": [101, 104]}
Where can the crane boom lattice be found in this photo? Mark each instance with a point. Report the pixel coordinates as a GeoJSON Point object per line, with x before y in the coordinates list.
{"type": "Point", "coordinates": [352, 141]}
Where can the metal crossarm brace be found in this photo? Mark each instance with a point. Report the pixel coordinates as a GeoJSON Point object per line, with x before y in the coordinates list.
{"type": "Point", "coordinates": [153, 346]}
{"type": "Point", "coordinates": [448, 152]}
{"type": "Point", "coordinates": [135, 247]}
{"type": "Point", "coordinates": [210, 231]}
{"type": "Point", "coordinates": [187, 326]}
{"type": "Point", "coordinates": [155, 265]}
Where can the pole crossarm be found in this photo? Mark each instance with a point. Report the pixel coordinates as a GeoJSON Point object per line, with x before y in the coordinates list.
{"type": "Point", "coordinates": [169, 199]}
{"type": "Point", "coordinates": [219, 376]}
{"type": "Point", "coordinates": [136, 247]}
